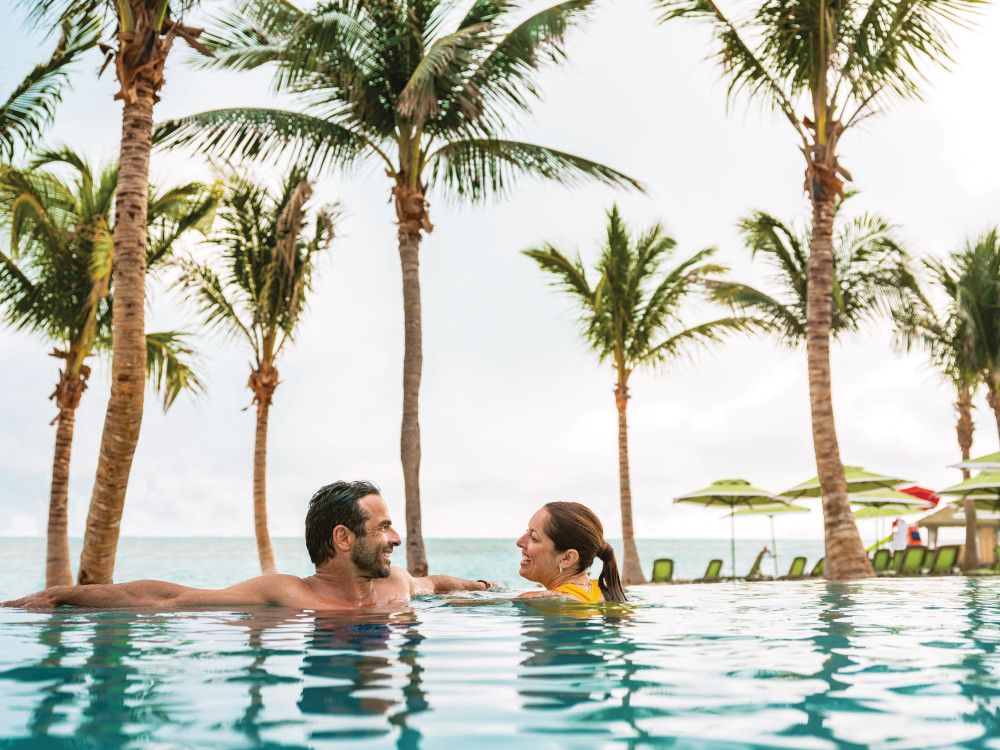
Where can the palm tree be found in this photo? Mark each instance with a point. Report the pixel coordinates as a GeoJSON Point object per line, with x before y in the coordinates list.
{"type": "Point", "coordinates": [946, 340]}
{"type": "Point", "coordinates": [825, 67]}
{"type": "Point", "coordinates": [258, 293]}
{"type": "Point", "coordinates": [32, 104]}
{"type": "Point", "coordinates": [144, 34]}
{"type": "Point", "coordinates": [57, 283]}
{"type": "Point", "coordinates": [971, 281]}
{"type": "Point", "coordinates": [631, 318]}
{"type": "Point", "coordinates": [871, 276]}
{"type": "Point", "coordinates": [421, 91]}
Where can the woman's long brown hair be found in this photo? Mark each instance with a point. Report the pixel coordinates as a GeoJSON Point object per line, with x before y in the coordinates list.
{"type": "Point", "coordinates": [575, 526]}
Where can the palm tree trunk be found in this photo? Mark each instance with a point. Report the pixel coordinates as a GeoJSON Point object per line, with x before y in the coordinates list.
{"type": "Point", "coordinates": [57, 568]}
{"type": "Point", "coordinates": [631, 565]}
{"type": "Point", "coordinates": [845, 554]}
{"type": "Point", "coordinates": [128, 365]}
{"type": "Point", "coordinates": [263, 381]}
{"type": "Point", "coordinates": [411, 212]}
{"type": "Point", "coordinates": [964, 428]}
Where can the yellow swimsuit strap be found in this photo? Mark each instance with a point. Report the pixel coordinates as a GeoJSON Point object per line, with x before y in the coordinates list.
{"type": "Point", "coordinates": [581, 593]}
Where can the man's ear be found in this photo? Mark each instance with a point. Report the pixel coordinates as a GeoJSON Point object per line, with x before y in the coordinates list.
{"type": "Point", "coordinates": [343, 538]}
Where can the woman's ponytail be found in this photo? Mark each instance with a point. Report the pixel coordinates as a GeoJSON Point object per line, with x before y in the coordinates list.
{"type": "Point", "coordinates": [609, 581]}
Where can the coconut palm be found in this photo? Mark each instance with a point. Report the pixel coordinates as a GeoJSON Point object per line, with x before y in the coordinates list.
{"type": "Point", "coordinates": [871, 276]}
{"type": "Point", "coordinates": [631, 316]}
{"type": "Point", "coordinates": [256, 289]}
{"type": "Point", "coordinates": [420, 90]}
{"type": "Point", "coordinates": [32, 104]}
{"type": "Point", "coordinates": [825, 67]}
{"type": "Point", "coordinates": [144, 32]}
{"type": "Point", "coordinates": [945, 337]}
{"type": "Point", "coordinates": [970, 279]}
{"type": "Point", "coordinates": [56, 283]}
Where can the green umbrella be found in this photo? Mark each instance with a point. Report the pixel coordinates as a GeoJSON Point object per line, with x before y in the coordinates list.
{"type": "Point", "coordinates": [858, 480]}
{"type": "Point", "coordinates": [984, 489]}
{"type": "Point", "coordinates": [771, 511]}
{"type": "Point", "coordinates": [733, 493]}
{"type": "Point", "coordinates": [983, 463]}
{"type": "Point", "coordinates": [887, 511]}
{"type": "Point", "coordinates": [886, 502]}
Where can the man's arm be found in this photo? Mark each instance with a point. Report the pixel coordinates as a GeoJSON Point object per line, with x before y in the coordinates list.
{"type": "Point", "coordinates": [278, 590]}
{"type": "Point", "coordinates": [445, 584]}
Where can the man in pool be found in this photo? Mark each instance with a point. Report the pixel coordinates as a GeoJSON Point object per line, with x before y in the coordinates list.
{"type": "Point", "coordinates": [350, 540]}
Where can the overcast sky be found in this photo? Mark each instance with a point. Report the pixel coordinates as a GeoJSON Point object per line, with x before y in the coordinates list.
{"type": "Point", "coordinates": [515, 410]}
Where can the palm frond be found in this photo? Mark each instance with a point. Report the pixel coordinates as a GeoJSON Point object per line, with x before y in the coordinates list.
{"type": "Point", "coordinates": [206, 290]}
{"type": "Point", "coordinates": [476, 169]}
{"type": "Point", "coordinates": [265, 134]}
{"type": "Point", "coordinates": [32, 104]}
{"type": "Point", "coordinates": [170, 366]}
{"type": "Point", "coordinates": [701, 335]}
{"type": "Point", "coordinates": [774, 316]}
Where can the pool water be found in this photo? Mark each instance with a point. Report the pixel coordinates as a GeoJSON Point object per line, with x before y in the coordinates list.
{"type": "Point", "coordinates": [811, 664]}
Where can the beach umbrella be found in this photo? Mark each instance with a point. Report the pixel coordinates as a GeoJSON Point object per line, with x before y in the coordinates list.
{"type": "Point", "coordinates": [984, 489]}
{"type": "Point", "coordinates": [858, 480]}
{"type": "Point", "coordinates": [887, 511]}
{"type": "Point", "coordinates": [990, 463]}
{"type": "Point", "coordinates": [732, 493]}
{"type": "Point", "coordinates": [771, 511]}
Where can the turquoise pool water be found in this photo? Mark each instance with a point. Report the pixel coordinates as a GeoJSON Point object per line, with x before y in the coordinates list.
{"type": "Point", "coordinates": [894, 664]}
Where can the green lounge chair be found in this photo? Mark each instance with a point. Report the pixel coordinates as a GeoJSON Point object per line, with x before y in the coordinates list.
{"type": "Point", "coordinates": [943, 561]}
{"type": "Point", "coordinates": [880, 560]}
{"type": "Point", "coordinates": [711, 573]}
{"type": "Point", "coordinates": [755, 574]}
{"type": "Point", "coordinates": [663, 571]}
{"type": "Point", "coordinates": [993, 570]}
{"type": "Point", "coordinates": [897, 562]}
{"type": "Point", "coordinates": [796, 570]}
{"type": "Point", "coordinates": [912, 563]}
{"type": "Point", "coordinates": [817, 571]}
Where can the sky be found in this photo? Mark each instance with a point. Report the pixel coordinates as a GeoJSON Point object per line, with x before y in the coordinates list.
{"type": "Point", "coordinates": [515, 411]}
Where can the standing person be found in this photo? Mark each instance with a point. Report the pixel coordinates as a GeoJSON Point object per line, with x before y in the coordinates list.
{"type": "Point", "coordinates": [900, 535]}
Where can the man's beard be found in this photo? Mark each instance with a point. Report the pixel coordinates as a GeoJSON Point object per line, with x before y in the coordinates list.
{"type": "Point", "coordinates": [368, 559]}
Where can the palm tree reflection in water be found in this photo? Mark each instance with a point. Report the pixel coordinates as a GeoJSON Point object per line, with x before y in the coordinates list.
{"type": "Point", "coordinates": [581, 661]}
{"type": "Point", "coordinates": [358, 660]}
{"type": "Point", "coordinates": [981, 683]}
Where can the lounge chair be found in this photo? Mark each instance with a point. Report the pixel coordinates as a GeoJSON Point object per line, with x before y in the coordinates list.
{"type": "Point", "coordinates": [880, 560]}
{"type": "Point", "coordinates": [992, 570]}
{"type": "Point", "coordinates": [911, 561]}
{"type": "Point", "coordinates": [711, 573]}
{"type": "Point", "coordinates": [663, 571]}
{"type": "Point", "coordinates": [755, 574]}
{"type": "Point", "coordinates": [895, 564]}
{"type": "Point", "coordinates": [943, 561]}
{"type": "Point", "coordinates": [817, 571]}
{"type": "Point", "coordinates": [796, 570]}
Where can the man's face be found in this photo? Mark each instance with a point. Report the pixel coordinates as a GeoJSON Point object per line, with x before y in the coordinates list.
{"type": "Point", "coordinates": [373, 548]}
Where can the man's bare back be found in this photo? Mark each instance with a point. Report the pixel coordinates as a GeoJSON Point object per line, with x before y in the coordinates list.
{"type": "Point", "coordinates": [352, 569]}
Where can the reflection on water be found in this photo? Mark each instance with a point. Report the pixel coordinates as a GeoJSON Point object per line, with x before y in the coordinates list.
{"type": "Point", "coordinates": [895, 664]}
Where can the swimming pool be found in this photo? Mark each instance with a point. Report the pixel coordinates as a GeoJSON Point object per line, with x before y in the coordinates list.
{"type": "Point", "coordinates": [901, 664]}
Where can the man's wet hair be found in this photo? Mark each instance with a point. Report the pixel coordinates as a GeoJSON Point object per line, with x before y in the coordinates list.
{"type": "Point", "coordinates": [334, 505]}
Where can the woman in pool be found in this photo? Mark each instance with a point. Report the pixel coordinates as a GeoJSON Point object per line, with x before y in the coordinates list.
{"type": "Point", "coordinates": [558, 549]}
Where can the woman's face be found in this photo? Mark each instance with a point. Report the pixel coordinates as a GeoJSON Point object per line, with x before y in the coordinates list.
{"type": "Point", "coordinates": [539, 559]}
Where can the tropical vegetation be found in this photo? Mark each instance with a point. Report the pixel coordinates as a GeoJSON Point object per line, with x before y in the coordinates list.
{"type": "Point", "coordinates": [825, 67]}
{"type": "Point", "coordinates": [256, 289]}
{"type": "Point", "coordinates": [421, 90]}
{"type": "Point", "coordinates": [963, 341]}
{"type": "Point", "coordinates": [56, 283]}
{"type": "Point", "coordinates": [143, 33]}
{"type": "Point", "coordinates": [632, 316]}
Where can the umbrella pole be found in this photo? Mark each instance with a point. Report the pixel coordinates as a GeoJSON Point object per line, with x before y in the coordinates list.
{"type": "Point", "coordinates": [732, 537]}
{"type": "Point", "coordinates": [774, 546]}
